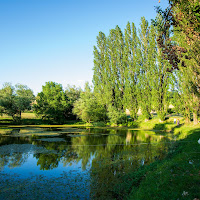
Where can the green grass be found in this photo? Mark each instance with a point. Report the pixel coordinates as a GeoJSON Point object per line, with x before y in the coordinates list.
{"type": "Point", "coordinates": [33, 119]}
{"type": "Point", "coordinates": [27, 118]}
{"type": "Point", "coordinates": [177, 176]}
{"type": "Point", "coordinates": [156, 124]}
{"type": "Point", "coordinates": [153, 124]}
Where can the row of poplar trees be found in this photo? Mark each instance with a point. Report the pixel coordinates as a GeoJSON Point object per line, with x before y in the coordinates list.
{"type": "Point", "coordinates": [129, 72]}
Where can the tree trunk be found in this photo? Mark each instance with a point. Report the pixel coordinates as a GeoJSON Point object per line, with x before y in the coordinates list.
{"type": "Point", "coordinates": [187, 120]}
{"type": "Point", "coordinates": [195, 109]}
{"type": "Point", "coordinates": [187, 115]}
{"type": "Point", "coordinates": [195, 118]}
{"type": "Point", "coordinates": [20, 114]}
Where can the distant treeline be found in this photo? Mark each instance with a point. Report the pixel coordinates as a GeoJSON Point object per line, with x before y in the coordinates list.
{"type": "Point", "coordinates": [53, 103]}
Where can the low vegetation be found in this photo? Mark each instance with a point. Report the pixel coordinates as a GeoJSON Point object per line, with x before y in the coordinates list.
{"type": "Point", "coordinates": [175, 177]}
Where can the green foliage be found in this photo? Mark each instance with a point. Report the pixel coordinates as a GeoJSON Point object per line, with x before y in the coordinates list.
{"type": "Point", "coordinates": [115, 70]}
{"type": "Point", "coordinates": [88, 108]}
{"type": "Point", "coordinates": [146, 61]}
{"type": "Point", "coordinates": [14, 100]}
{"type": "Point", "coordinates": [116, 116]}
{"type": "Point", "coordinates": [130, 73]}
{"type": "Point", "coordinates": [73, 94]}
{"type": "Point", "coordinates": [52, 103]}
{"type": "Point", "coordinates": [7, 100]}
{"type": "Point", "coordinates": [131, 61]}
{"type": "Point", "coordinates": [179, 41]}
{"type": "Point", "coordinates": [133, 124]}
{"type": "Point", "coordinates": [24, 97]}
{"type": "Point", "coordinates": [98, 124]}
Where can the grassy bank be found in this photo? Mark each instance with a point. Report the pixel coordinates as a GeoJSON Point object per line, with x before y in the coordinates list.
{"type": "Point", "coordinates": [30, 119]}
{"type": "Point", "coordinates": [177, 176]}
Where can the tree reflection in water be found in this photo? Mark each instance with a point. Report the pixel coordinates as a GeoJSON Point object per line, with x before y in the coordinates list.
{"type": "Point", "coordinates": [109, 155]}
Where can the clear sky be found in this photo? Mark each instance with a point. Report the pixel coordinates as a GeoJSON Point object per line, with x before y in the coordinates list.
{"type": "Point", "coordinates": [52, 40]}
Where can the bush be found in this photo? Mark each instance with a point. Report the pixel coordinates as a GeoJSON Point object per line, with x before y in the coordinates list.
{"type": "Point", "coordinates": [116, 116]}
{"type": "Point", "coordinates": [98, 124]}
{"type": "Point", "coordinates": [133, 124]}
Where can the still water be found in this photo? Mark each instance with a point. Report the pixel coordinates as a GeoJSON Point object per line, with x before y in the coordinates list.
{"type": "Point", "coordinates": [74, 163]}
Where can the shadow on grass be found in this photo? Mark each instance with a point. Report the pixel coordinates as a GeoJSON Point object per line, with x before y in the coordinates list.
{"type": "Point", "coordinates": [161, 126]}
{"type": "Point", "coordinates": [178, 126]}
{"type": "Point", "coordinates": [167, 126]}
{"type": "Point", "coordinates": [7, 122]}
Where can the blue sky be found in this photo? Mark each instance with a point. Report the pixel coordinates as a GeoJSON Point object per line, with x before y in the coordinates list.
{"type": "Point", "coordinates": [52, 40]}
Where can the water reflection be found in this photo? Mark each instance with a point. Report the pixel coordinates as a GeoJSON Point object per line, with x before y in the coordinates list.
{"type": "Point", "coordinates": [132, 145]}
{"type": "Point", "coordinates": [105, 155]}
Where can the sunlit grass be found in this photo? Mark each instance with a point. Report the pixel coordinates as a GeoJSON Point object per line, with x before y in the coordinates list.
{"type": "Point", "coordinates": [177, 176]}
{"type": "Point", "coordinates": [29, 116]}
{"type": "Point", "coordinates": [23, 115]}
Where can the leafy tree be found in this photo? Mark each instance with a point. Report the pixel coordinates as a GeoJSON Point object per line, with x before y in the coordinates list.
{"type": "Point", "coordinates": [88, 108]}
{"type": "Point", "coordinates": [24, 97]}
{"type": "Point", "coordinates": [182, 51]}
{"type": "Point", "coordinates": [73, 94]}
{"type": "Point", "coordinates": [145, 77]}
{"type": "Point", "coordinates": [8, 100]}
{"type": "Point", "coordinates": [130, 98]}
{"type": "Point", "coordinates": [115, 70]}
{"type": "Point", "coordinates": [181, 97]}
{"type": "Point", "coordinates": [186, 100]}
{"type": "Point", "coordinates": [161, 77]}
{"type": "Point", "coordinates": [14, 100]}
{"type": "Point", "coordinates": [189, 76]}
{"type": "Point", "coordinates": [102, 71]}
{"type": "Point", "coordinates": [52, 102]}
{"type": "Point", "coordinates": [116, 116]}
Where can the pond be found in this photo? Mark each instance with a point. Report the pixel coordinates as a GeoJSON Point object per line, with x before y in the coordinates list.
{"type": "Point", "coordinates": [74, 163]}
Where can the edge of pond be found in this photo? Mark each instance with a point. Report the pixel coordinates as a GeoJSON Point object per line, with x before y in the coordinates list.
{"type": "Point", "coordinates": [83, 126]}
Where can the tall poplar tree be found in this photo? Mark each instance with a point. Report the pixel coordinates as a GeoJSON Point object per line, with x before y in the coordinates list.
{"type": "Point", "coordinates": [145, 89]}
{"type": "Point", "coordinates": [183, 98]}
{"type": "Point", "coordinates": [103, 73]}
{"type": "Point", "coordinates": [160, 75]}
{"type": "Point", "coordinates": [115, 53]}
{"type": "Point", "coordinates": [131, 70]}
{"type": "Point", "coordinates": [108, 68]}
